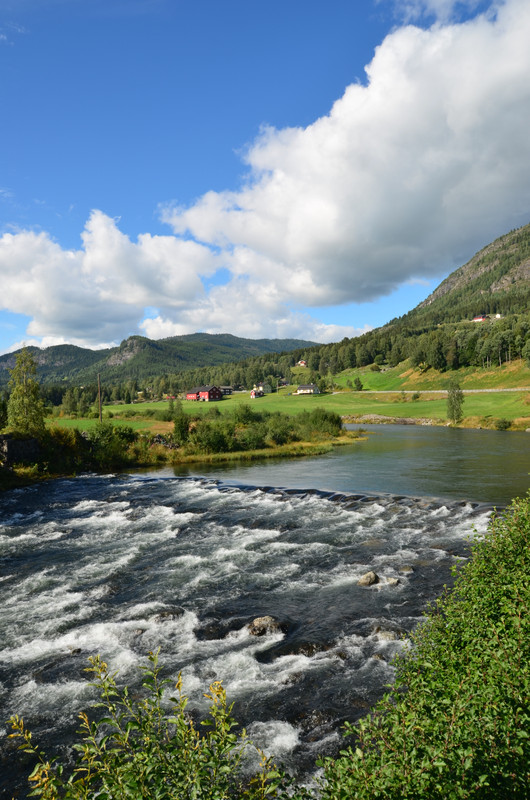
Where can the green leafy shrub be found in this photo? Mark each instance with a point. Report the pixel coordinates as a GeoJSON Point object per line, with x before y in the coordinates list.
{"type": "Point", "coordinates": [317, 423]}
{"type": "Point", "coordinates": [252, 437]}
{"type": "Point", "coordinates": [211, 437]}
{"type": "Point", "coordinates": [110, 443]}
{"type": "Point", "coordinates": [137, 750]}
{"type": "Point", "coordinates": [280, 429]}
{"type": "Point", "coordinates": [502, 424]}
{"type": "Point", "coordinates": [243, 414]}
{"type": "Point", "coordinates": [323, 421]}
{"type": "Point", "coordinates": [456, 723]}
{"type": "Point", "coordinates": [64, 450]}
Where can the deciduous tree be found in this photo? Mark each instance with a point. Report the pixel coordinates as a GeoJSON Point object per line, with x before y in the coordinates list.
{"type": "Point", "coordinates": [25, 408]}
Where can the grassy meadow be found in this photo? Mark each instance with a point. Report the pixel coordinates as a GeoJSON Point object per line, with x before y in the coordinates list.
{"type": "Point", "coordinates": [387, 393]}
{"type": "Point", "coordinates": [480, 410]}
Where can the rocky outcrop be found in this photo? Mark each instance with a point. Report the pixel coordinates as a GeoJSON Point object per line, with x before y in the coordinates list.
{"type": "Point", "coordinates": [169, 614]}
{"type": "Point", "coordinates": [262, 625]}
{"type": "Point", "coordinates": [375, 419]}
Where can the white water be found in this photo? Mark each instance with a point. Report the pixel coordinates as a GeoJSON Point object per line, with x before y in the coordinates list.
{"type": "Point", "coordinates": [120, 565]}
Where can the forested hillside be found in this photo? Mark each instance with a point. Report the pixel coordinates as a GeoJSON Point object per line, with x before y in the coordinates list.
{"type": "Point", "coordinates": [439, 333]}
{"type": "Point", "coordinates": [495, 281]}
{"type": "Point", "coordinates": [139, 359]}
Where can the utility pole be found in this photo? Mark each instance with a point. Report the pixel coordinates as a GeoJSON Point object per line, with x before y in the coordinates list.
{"type": "Point", "coordinates": [99, 396]}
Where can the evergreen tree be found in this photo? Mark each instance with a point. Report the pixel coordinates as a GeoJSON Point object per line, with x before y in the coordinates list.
{"type": "Point", "coordinates": [455, 401]}
{"type": "Point", "coordinates": [3, 411]}
{"type": "Point", "coordinates": [25, 408]}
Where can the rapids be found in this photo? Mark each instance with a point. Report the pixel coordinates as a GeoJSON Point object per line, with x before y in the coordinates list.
{"type": "Point", "coordinates": [123, 564]}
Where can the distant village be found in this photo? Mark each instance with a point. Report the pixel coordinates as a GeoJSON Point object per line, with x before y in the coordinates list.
{"type": "Point", "coordinates": [209, 393]}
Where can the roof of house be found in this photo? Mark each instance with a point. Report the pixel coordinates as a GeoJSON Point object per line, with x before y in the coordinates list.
{"type": "Point", "coordinates": [308, 386]}
{"type": "Point", "coordinates": [198, 389]}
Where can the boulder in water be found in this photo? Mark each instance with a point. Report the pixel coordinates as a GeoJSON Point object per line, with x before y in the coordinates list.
{"type": "Point", "coordinates": [262, 625]}
{"type": "Point", "coordinates": [368, 579]}
{"type": "Point", "coordinates": [169, 614]}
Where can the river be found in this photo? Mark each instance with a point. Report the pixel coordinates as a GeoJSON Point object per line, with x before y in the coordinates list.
{"type": "Point", "coordinates": [122, 564]}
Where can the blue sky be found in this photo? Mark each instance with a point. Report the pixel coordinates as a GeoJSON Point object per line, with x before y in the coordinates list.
{"type": "Point", "coordinates": [280, 169]}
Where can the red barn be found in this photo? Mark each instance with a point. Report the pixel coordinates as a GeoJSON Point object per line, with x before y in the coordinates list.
{"type": "Point", "coordinates": [204, 393]}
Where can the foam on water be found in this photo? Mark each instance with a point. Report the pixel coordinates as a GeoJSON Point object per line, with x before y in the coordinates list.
{"type": "Point", "coordinates": [123, 565]}
{"type": "Point", "coordinates": [275, 737]}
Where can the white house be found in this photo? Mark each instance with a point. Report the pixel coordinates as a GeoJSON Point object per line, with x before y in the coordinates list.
{"type": "Point", "coordinates": [308, 388]}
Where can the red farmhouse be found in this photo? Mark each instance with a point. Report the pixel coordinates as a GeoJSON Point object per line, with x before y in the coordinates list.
{"type": "Point", "coordinates": [204, 393]}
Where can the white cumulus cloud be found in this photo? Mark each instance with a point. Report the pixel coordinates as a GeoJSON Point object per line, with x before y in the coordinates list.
{"type": "Point", "coordinates": [403, 180]}
{"type": "Point", "coordinates": [97, 294]}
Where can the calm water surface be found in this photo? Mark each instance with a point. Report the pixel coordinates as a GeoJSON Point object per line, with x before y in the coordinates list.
{"type": "Point", "coordinates": [483, 466]}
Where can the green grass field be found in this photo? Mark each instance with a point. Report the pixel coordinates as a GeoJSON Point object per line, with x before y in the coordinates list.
{"type": "Point", "coordinates": [89, 424]}
{"type": "Point", "coordinates": [477, 408]}
{"type": "Point", "coordinates": [509, 376]}
{"type": "Point", "coordinates": [481, 409]}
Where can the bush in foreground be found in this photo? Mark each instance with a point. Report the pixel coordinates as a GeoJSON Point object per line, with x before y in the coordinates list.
{"type": "Point", "coordinates": [457, 721]}
{"type": "Point", "coordinates": [137, 750]}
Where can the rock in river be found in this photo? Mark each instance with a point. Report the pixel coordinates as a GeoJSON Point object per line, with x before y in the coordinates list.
{"type": "Point", "coordinates": [262, 625]}
{"type": "Point", "coordinates": [368, 579]}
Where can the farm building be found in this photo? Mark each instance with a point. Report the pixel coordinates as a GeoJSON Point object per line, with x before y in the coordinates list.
{"type": "Point", "coordinates": [204, 393]}
{"type": "Point", "coordinates": [308, 388]}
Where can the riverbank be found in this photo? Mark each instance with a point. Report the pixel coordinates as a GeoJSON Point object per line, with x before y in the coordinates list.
{"type": "Point", "coordinates": [156, 453]}
{"type": "Point", "coordinates": [472, 423]}
{"type": "Point", "coordinates": [380, 419]}
{"type": "Point", "coordinates": [455, 722]}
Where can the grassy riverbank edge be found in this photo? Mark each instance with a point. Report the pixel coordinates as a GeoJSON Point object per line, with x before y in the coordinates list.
{"type": "Point", "coordinates": [21, 475]}
{"type": "Point", "coordinates": [292, 450]}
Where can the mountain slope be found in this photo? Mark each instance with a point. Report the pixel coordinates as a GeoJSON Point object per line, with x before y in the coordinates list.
{"type": "Point", "coordinates": [495, 280]}
{"type": "Point", "coordinates": [139, 357]}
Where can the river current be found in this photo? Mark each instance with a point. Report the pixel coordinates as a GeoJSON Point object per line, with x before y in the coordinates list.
{"type": "Point", "coordinates": [123, 564]}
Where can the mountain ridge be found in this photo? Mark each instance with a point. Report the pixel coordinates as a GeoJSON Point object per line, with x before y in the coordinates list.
{"type": "Point", "coordinates": [497, 276]}
{"type": "Point", "coordinates": [142, 356]}
{"type": "Point", "coordinates": [495, 281]}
